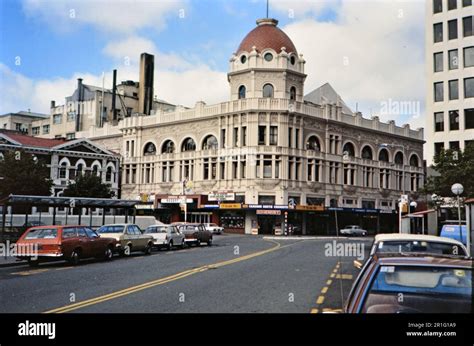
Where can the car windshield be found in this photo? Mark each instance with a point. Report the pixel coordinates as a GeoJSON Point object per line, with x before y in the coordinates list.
{"type": "Point", "coordinates": [159, 229]}
{"type": "Point", "coordinates": [428, 289]}
{"type": "Point", "coordinates": [111, 229]}
{"type": "Point", "coordinates": [400, 246]}
{"type": "Point", "coordinates": [42, 233]}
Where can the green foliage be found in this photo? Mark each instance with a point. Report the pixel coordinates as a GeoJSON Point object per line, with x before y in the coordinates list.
{"type": "Point", "coordinates": [22, 174]}
{"type": "Point", "coordinates": [88, 185]}
{"type": "Point", "coordinates": [453, 171]}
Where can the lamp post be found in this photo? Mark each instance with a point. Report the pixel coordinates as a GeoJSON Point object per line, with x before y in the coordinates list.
{"type": "Point", "coordinates": [413, 205]}
{"type": "Point", "coordinates": [458, 189]}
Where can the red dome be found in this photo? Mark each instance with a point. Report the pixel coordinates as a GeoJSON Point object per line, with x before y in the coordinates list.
{"type": "Point", "coordinates": [266, 35]}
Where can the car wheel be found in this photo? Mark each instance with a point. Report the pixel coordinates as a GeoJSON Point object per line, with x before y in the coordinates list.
{"type": "Point", "coordinates": [198, 242]}
{"type": "Point", "coordinates": [75, 258]}
{"type": "Point", "coordinates": [147, 250]}
{"type": "Point", "coordinates": [108, 254]}
{"type": "Point", "coordinates": [170, 245]}
{"type": "Point", "coordinates": [209, 242]}
{"type": "Point", "coordinates": [33, 263]}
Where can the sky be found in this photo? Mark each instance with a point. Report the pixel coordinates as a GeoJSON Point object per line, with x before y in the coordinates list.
{"type": "Point", "coordinates": [370, 51]}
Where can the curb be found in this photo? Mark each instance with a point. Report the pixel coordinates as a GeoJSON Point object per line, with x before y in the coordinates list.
{"type": "Point", "coordinates": [11, 264]}
{"type": "Point", "coordinates": [314, 238]}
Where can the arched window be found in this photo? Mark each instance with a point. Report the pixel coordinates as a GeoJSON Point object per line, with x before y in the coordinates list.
{"type": "Point", "coordinates": [399, 158]}
{"type": "Point", "coordinates": [188, 145]}
{"type": "Point", "coordinates": [2, 157]}
{"type": "Point", "coordinates": [313, 144]}
{"type": "Point", "coordinates": [79, 169]}
{"type": "Point", "coordinates": [414, 161]}
{"type": "Point", "coordinates": [168, 147]}
{"type": "Point", "coordinates": [349, 149]}
{"type": "Point", "coordinates": [95, 170]}
{"type": "Point", "coordinates": [383, 155]}
{"type": "Point", "coordinates": [242, 92]}
{"type": "Point", "coordinates": [210, 142]}
{"type": "Point", "coordinates": [367, 153]}
{"type": "Point", "coordinates": [150, 149]}
{"type": "Point", "coordinates": [268, 90]}
{"type": "Point", "coordinates": [293, 93]}
{"type": "Point", "coordinates": [109, 175]}
{"type": "Point", "coordinates": [63, 170]}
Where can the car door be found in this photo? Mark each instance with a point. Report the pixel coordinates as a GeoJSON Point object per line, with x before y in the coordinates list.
{"type": "Point", "coordinates": [69, 240]}
{"type": "Point", "coordinates": [83, 242]}
{"type": "Point", "coordinates": [94, 243]}
{"type": "Point", "coordinates": [142, 239]}
{"type": "Point", "coordinates": [177, 239]}
{"type": "Point", "coordinates": [131, 237]}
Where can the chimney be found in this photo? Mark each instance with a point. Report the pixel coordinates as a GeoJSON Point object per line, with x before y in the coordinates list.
{"type": "Point", "coordinates": [53, 104]}
{"type": "Point", "coordinates": [145, 88]}
{"type": "Point", "coordinates": [114, 87]}
{"type": "Point", "coordinates": [79, 100]}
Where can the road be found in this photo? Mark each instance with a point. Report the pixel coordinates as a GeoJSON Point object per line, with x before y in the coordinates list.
{"type": "Point", "coordinates": [238, 274]}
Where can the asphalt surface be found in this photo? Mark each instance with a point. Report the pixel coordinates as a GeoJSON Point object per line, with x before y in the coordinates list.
{"type": "Point", "coordinates": [238, 274]}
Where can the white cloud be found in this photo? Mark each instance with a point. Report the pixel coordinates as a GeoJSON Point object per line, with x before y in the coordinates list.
{"type": "Point", "coordinates": [373, 52]}
{"type": "Point", "coordinates": [122, 16]}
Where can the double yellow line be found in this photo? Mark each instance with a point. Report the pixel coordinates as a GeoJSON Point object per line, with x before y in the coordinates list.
{"type": "Point", "coordinates": [150, 284]}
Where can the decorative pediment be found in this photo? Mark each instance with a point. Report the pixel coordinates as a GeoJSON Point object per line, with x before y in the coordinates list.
{"type": "Point", "coordinates": [83, 145]}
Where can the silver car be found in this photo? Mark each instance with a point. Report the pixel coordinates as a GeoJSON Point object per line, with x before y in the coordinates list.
{"type": "Point", "coordinates": [213, 228]}
{"type": "Point", "coordinates": [166, 236]}
{"type": "Point", "coordinates": [353, 230]}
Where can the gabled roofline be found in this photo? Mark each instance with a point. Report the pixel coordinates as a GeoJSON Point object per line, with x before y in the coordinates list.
{"type": "Point", "coordinates": [79, 141]}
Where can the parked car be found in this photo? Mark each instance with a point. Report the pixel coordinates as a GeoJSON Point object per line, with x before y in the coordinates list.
{"type": "Point", "coordinates": [129, 238]}
{"type": "Point", "coordinates": [166, 236]}
{"type": "Point", "coordinates": [213, 228]}
{"type": "Point", "coordinates": [454, 232]}
{"type": "Point", "coordinates": [195, 233]}
{"type": "Point", "coordinates": [71, 243]}
{"type": "Point", "coordinates": [353, 230]}
{"type": "Point", "coordinates": [409, 243]}
{"type": "Point", "coordinates": [427, 284]}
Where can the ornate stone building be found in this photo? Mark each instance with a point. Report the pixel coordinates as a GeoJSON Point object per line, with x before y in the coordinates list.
{"type": "Point", "coordinates": [278, 155]}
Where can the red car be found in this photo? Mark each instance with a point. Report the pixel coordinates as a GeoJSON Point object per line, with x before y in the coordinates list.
{"type": "Point", "coordinates": [70, 243]}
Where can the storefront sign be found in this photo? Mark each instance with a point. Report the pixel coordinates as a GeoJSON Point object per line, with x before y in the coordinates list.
{"type": "Point", "coordinates": [176, 200]}
{"type": "Point", "coordinates": [310, 207]}
{"type": "Point", "coordinates": [221, 196]}
{"type": "Point", "coordinates": [210, 206]}
{"type": "Point", "coordinates": [230, 206]}
{"type": "Point", "coordinates": [268, 212]}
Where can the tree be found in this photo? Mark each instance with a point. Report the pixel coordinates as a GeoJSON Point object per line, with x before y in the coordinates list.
{"type": "Point", "coordinates": [88, 185]}
{"type": "Point", "coordinates": [22, 173]}
{"type": "Point", "coordinates": [451, 170]}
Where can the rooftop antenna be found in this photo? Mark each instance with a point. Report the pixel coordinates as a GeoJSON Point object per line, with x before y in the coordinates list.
{"type": "Point", "coordinates": [267, 9]}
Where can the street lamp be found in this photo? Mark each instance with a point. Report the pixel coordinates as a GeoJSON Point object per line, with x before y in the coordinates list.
{"type": "Point", "coordinates": [413, 205]}
{"type": "Point", "coordinates": [458, 189]}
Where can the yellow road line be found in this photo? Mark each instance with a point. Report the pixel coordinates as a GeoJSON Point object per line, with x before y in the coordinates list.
{"type": "Point", "coordinates": [30, 272]}
{"type": "Point", "coordinates": [324, 290]}
{"type": "Point", "coordinates": [329, 282]}
{"type": "Point", "coordinates": [137, 288]}
{"type": "Point", "coordinates": [314, 311]}
{"type": "Point", "coordinates": [344, 276]}
{"type": "Point", "coordinates": [320, 300]}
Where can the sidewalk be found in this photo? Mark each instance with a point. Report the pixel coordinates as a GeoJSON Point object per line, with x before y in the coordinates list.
{"type": "Point", "coordinates": [10, 262]}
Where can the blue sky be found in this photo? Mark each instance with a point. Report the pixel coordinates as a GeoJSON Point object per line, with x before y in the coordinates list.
{"type": "Point", "coordinates": [192, 53]}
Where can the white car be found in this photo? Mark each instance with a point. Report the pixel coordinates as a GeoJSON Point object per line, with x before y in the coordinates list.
{"type": "Point", "coordinates": [417, 243]}
{"type": "Point", "coordinates": [353, 230]}
{"type": "Point", "coordinates": [166, 236]}
{"type": "Point", "coordinates": [213, 228]}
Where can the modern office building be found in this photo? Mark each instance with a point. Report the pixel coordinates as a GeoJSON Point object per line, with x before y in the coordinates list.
{"type": "Point", "coordinates": [449, 75]}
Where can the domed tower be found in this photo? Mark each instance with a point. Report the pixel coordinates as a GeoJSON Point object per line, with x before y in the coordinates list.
{"type": "Point", "coordinates": [267, 64]}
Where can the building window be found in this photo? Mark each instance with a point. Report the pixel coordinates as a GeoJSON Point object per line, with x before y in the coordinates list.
{"type": "Point", "coordinates": [438, 62]}
{"type": "Point", "coordinates": [262, 134]}
{"type": "Point", "coordinates": [437, 6]}
{"type": "Point", "coordinates": [438, 92]}
{"type": "Point", "coordinates": [266, 200]}
{"type": "Point", "coordinates": [468, 87]}
{"type": "Point", "coordinates": [453, 59]}
{"type": "Point", "coordinates": [236, 136]}
{"type": "Point", "coordinates": [468, 144]}
{"type": "Point", "coordinates": [63, 170]}
{"type": "Point", "coordinates": [267, 166]}
{"type": "Point", "coordinates": [334, 142]}
{"type": "Point", "coordinates": [469, 118]}
{"type": "Point", "coordinates": [290, 137]}
{"type": "Point", "coordinates": [453, 29]}
{"type": "Point", "coordinates": [399, 158]}
{"type": "Point", "coordinates": [210, 142]}
{"type": "Point", "coordinates": [313, 169]}
{"type": "Point", "coordinates": [469, 56]}
{"type": "Point", "coordinates": [35, 131]}
{"type": "Point", "coordinates": [244, 136]}
{"type": "Point", "coordinates": [71, 116]}
{"type": "Point", "coordinates": [223, 139]}
{"type": "Point", "coordinates": [188, 145]}
{"type": "Point", "coordinates": [452, 4]}
{"type": "Point", "coordinates": [167, 147]}
{"type": "Point", "coordinates": [349, 174]}
{"type": "Point", "coordinates": [71, 136]}
{"type": "Point", "coordinates": [150, 149]}
{"type": "Point", "coordinates": [292, 93]}
{"type": "Point", "coordinates": [268, 90]}
{"type": "Point", "coordinates": [438, 32]}
{"type": "Point", "coordinates": [242, 92]}
{"type": "Point", "coordinates": [466, 3]}
{"type": "Point", "coordinates": [414, 161]}
{"type": "Point", "coordinates": [453, 120]}
{"type": "Point", "coordinates": [57, 118]}
{"type": "Point", "coordinates": [438, 147]}
{"type": "Point", "coordinates": [333, 172]}
{"type": "Point", "coordinates": [313, 144]}
{"type": "Point", "coordinates": [367, 153]}
{"type": "Point", "coordinates": [467, 27]}
{"type": "Point", "coordinates": [273, 135]}
{"type": "Point", "coordinates": [45, 129]}
{"type": "Point", "coordinates": [348, 149]}
{"type": "Point", "coordinates": [109, 176]}
{"type": "Point", "coordinates": [384, 179]}
{"type": "Point", "coordinates": [243, 59]}
{"type": "Point", "coordinates": [383, 155]}
{"type": "Point", "coordinates": [454, 145]}
{"type": "Point", "coordinates": [297, 138]}
{"type": "Point", "coordinates": [268, 57]}
{"type": "Point", "coordinates": [368, 176]}
{"type": "Point", "coordinates": [453, 89]}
